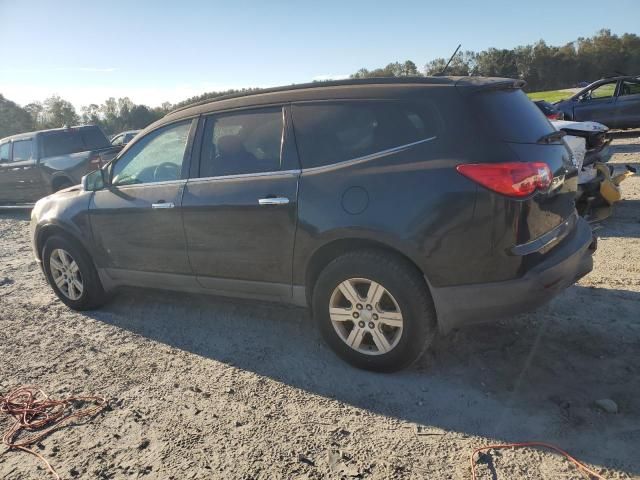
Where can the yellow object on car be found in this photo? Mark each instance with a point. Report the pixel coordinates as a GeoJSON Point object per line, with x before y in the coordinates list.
{"type": "Point", "coordinates": [610, 185]}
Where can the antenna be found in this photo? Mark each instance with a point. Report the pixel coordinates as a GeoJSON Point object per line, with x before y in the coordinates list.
{"type": "Point", "coordinates": [447, 65]}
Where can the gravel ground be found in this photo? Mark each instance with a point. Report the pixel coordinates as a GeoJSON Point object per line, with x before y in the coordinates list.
{"type": "Point", "coordinates": [203, 387]}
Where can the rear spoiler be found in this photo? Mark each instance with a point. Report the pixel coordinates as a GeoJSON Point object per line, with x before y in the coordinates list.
{"type": "Point", "coordinates": [480, 84]}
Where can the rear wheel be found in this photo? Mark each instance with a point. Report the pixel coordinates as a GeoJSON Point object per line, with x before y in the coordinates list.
{"type": "Point", "coordinates": [374, 310]}
{"type": "Point", "coordinates": [71, 274]}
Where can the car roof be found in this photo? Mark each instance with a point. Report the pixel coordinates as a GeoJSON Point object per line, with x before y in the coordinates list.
{"type": "Point", "coordinates": [335, 89]}
{"type": "Point", "coordinates": [612, 79]}
{"type": "Point", "coordinates": [20, 136]}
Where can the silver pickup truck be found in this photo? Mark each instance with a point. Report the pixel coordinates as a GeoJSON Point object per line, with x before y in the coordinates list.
{"type": "Point", "coordinates": [36, 164]}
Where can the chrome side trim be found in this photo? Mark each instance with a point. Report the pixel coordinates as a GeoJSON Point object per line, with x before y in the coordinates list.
{"type": "Point", "coordinates": [273, 201]}
{"type": "Point", "coordinates": [146, 185]}
{"type": "Point", "coordinates": [365, 158]}
{"type": "Point", "coordinates": [546, 239]}
{"type": "Point", "coordinates": [246, 175]}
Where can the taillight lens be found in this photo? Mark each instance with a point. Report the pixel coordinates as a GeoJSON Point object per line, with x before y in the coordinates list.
{"type": "Point", "coordinates": [553, 116]}
{"type": "Point", "coordinates": [513, 179]}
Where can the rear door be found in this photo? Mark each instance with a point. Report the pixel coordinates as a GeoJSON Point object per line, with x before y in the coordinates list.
{"type": "Point", "coordinates": [240, 207]}
{"type": "Point", "coordinates": [137, 220]}
{"type": "Point", "coordinates": [628, 104]}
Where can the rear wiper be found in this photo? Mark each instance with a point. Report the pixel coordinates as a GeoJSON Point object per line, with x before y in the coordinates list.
{"type": "Point", "coordinates": [551, 137]}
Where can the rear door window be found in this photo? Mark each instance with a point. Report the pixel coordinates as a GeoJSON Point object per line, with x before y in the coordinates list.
{"type": "Point", "coordinates": [22, 150]}
{"type": "Point", "coordinates": [5, 150]}
{"type": "Point", "coordinates": [242, 143]}
{"type": "Point", "coordinates": [332, 132]}
{"type": "Point", "coordinates": [630, 88]}
{"type": "Point", "coordinates": [510, 116]}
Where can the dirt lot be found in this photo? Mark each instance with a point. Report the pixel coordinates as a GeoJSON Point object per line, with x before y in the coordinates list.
{"type": "Point", "coordinates": [204, 387]}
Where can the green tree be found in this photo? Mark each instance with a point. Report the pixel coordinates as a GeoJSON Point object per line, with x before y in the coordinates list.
{"type": "Point", "coordinates": [13, 118]}
{"type": "Point", "coordinates": [58, 113]}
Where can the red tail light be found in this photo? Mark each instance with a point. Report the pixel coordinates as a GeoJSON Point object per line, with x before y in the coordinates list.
{"type": "Point", "coordinates": [513, 179]}
{"type": "Point", "coordinates": [553, 116]}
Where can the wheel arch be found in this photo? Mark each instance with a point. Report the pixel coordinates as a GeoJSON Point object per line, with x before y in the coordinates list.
{"type": "Point", "coordinates": [323, 255]}
{"type": "Point", "coordinates": [49, 230]}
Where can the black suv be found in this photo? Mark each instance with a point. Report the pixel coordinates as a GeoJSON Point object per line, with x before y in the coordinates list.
{"type": "Point", "coordinates": [35, 164]}
{"type": "Point", "coordinates": [392, 207]}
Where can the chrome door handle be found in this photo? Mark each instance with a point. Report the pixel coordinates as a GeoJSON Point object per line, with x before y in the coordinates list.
{"type": "Point", "coordinates": [273, 201]}
{"type": "Point", "coordinates": [162, 205]}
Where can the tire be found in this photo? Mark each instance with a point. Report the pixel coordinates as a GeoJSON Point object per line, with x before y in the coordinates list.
{"type": "Point", "coordinates": [406, 294]}
{"type": "Point", "coordinates": [92, 294]}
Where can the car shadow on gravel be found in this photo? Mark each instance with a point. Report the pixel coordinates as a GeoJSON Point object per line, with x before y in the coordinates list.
{"type": "Point", "coordinates": [534, 377]}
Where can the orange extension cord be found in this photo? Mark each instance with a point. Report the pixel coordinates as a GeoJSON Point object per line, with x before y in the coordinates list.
{"type": "Point", "coordinates": [582, 467]}
{"type": "Point", "coordinates": [34, 411]}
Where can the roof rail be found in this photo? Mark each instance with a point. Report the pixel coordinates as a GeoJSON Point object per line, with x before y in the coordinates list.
{"type": "Point", "coordinates": [328, 83]}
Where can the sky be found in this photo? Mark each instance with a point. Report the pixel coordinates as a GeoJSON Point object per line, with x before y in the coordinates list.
{"type": "Point", "coordinates": [156, 51]}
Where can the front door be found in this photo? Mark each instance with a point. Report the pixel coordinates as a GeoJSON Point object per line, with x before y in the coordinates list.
{"type": "Point", "coordinates": [240, 211]}
{"type": "Point", "coordinates": [137, 220]}
{"type": "Point", "coordinates": [598, 105]}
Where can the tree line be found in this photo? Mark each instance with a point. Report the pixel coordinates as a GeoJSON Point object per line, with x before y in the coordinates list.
{"type": "Point", "coordinates": [542, 66]}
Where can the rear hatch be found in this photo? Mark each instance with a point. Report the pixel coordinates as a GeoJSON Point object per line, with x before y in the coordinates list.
{"type": "Point", "coordinates": [508, 116]}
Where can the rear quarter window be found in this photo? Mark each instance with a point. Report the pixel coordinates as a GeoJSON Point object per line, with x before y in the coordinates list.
{"type": "Point", "coordinates": [93, 138]}
{"type": "Point", "coordinates": [510, 116]}
{"type": "Point", "coordinates": [333, 132]}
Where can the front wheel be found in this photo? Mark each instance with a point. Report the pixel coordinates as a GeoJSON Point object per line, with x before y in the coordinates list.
{"type": "Point", "coordinates": [71, 274]}
{"type": "Point", "coordinates": [374, 310]}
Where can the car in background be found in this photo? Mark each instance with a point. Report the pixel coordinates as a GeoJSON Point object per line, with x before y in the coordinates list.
{"type": "Point", "coordinates": [613, 101]}
{"type": "Point", "coordinates": [391, 207]}
{"type": "Point", "coordinates": [35, 164]}
{"type": "Point", "coordinates": [551, 112]}
{"type": "Point", "coordinates": [123, 138]}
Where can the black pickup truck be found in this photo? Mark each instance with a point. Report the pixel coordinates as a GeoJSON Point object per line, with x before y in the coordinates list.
{"type": "Point", "coordinates": [35, 164]}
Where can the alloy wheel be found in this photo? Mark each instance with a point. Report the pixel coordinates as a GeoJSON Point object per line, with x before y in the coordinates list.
{"type": "Point", "coordinates": [366, 316]}
{"type": "Point", "coordinates": [66, 274]}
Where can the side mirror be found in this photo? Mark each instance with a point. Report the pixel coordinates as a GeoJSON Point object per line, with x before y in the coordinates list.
{"type": "Point", "coordinates": [94, 181]}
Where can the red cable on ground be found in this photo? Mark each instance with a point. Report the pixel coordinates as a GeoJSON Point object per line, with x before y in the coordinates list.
{"type": "Point", "coordinates": [34, 411]}
{"type": "Point", "coordinates": [582, 467]}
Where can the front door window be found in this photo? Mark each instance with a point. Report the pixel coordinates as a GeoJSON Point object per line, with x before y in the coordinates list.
{"type": "Point", "coordinates": [158, 157]}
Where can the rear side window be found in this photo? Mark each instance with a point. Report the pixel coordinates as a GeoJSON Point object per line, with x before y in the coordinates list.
{"type": "Point", "coordinates": [22, 150]}
{"type": "Point", "coordinates": [333, 132]}
{"type": "Point", "coordinates": [73, 141]}
{"type": "Point", "coordinates": [510, 116]}
{"type": "Point", "coordinates": [242, 143]}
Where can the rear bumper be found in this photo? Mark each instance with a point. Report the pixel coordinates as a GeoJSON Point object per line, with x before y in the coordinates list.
{"type": "Point", "coordinates": [467, 304]}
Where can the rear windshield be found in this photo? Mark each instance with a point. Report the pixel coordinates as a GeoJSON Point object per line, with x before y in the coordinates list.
{"type": "Point", "coordinates": [73, 141]}
{"type": "Point", "coordinates": [511, 116]}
